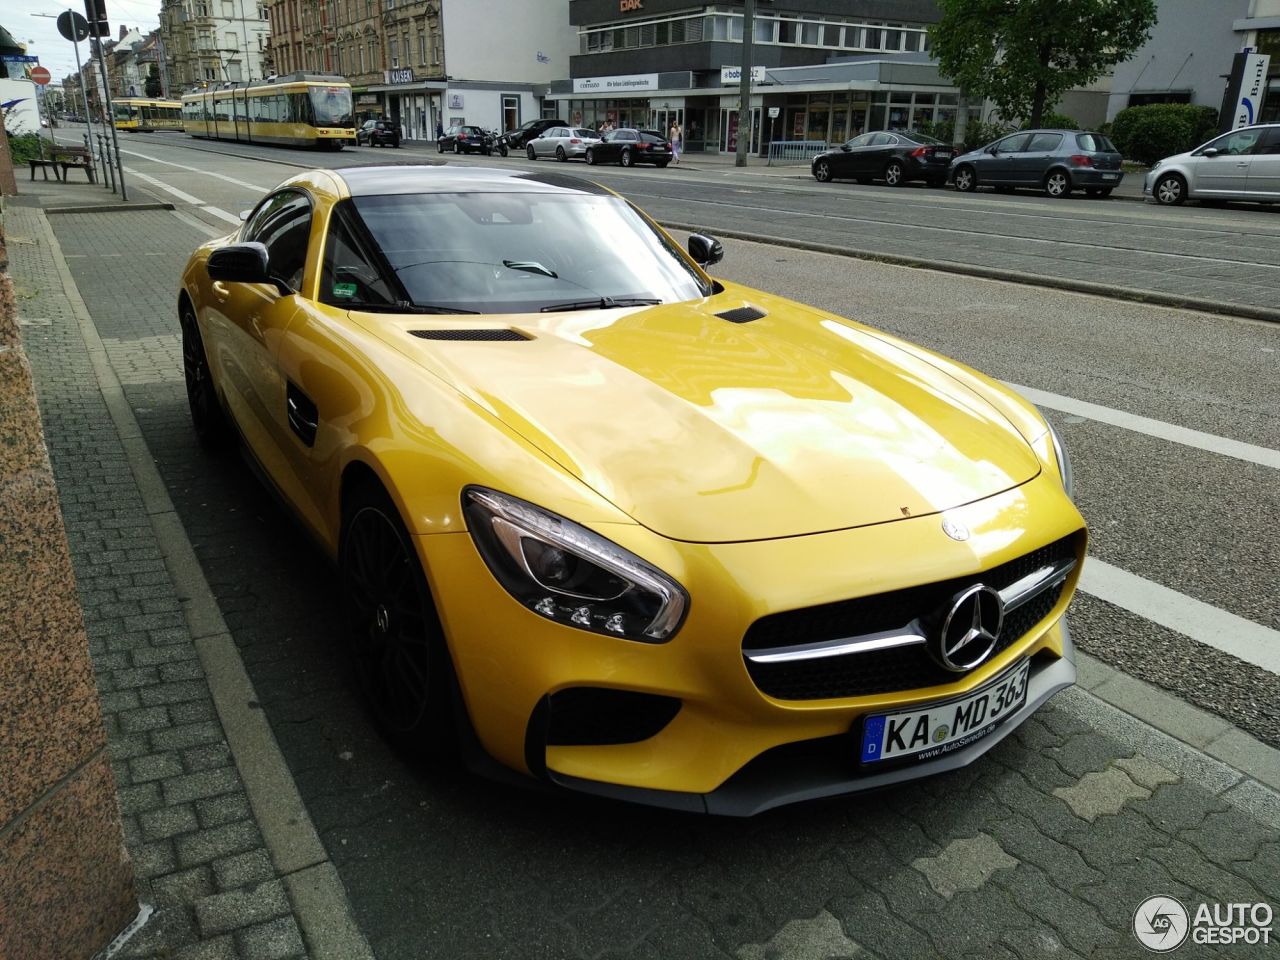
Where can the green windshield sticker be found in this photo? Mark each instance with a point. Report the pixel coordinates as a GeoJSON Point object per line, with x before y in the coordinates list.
{"type": "Point", "coordinates": [344, 289]}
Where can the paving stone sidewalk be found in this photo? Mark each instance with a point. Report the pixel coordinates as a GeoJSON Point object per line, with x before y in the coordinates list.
{"type": "Point", "coordinates": [1043, 849]}
{"type": "Point", "coordinates": [197, 850]}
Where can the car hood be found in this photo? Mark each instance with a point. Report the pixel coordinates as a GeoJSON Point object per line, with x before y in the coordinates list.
{"type": "Point", "coordinates": [706, 430]}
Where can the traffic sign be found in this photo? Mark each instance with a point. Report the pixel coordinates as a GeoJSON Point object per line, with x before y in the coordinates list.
{"type": "Point", "coordinates": [72, 26]}
{"type": "Point", "coordinates": [41, 76]}
{"type": "Point", "coordinates": [96, 11]}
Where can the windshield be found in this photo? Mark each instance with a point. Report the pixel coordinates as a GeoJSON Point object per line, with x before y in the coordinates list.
{"type": "Point", "coordinates": [923, 138]}
{"type": "Point", "coordinates": [122, 111]}
{"type": "Point", "coordinates": [332, 106]}
{"type": "Point", "coordinates": [499, 253]}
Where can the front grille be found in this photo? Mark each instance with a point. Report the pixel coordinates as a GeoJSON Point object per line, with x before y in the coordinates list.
{"type": "Point", "coordinates": [900, 668]}
{"type": "Point", "coordinates": [581, 716]}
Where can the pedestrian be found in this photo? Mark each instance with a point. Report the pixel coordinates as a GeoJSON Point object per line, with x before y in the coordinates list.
{"type": "Point", "coordinates": [676, 136]}
{"type": "Point", "coordinates": [439, 129]}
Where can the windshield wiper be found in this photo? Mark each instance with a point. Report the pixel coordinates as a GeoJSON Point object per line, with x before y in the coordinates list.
{"type": "Point", "coordinates": [601, 303]}
{"type": "Point", "coordinates": [531, 266]}
{"type": "Point", "coordinates": [403, 306]}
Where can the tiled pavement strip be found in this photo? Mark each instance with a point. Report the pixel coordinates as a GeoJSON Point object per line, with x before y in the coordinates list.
{"type": "Point", "coordinates": [1044, 848]}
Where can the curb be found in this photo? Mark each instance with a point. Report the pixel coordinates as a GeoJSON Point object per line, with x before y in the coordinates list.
{"type": "Point", "coordinates": [1198, 304]}
{"type": "Point", "coordinates": [109, 208]}
{"type": "Point", "coordinates": [316, 893]}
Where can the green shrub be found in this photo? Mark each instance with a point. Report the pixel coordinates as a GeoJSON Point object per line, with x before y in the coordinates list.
{"type": "Point", "coordinates": [25, 147]}
{"type": "Point", "coordinates": [977, 134]}
{"type": "Point", "coordinates": [1058, 121]}
{"type": "Point", "coordinates": [1150, 133]}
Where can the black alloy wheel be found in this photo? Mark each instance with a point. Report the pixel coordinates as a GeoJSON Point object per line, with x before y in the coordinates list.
{"type": "Point", "coordinates": [532, 153]}
{"type": "Point", "coordinates": [397, 647]}
{"type": "Point", "coordinates": [207, 418]}
{"type": "Point", "coordinates": [1170, 190]}
{"type": "Point", "coordinates": [822, 171]}
{"type": "Point", "coordinates": [894, 175]}
{"type": "Point", "coordinates": [591, 157]}
{"type": "Point", "coordinates": [625, 159]}
{"type": "Point", "coordinates": [560, 154]}
{"type": "Point", "coordinates": [965, 179]}
{"type": "Point", "coordinates": [457, 146]}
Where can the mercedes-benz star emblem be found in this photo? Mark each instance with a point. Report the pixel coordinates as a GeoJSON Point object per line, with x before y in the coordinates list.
{"type": "Point", "coordinates": [968, 633]}
{"type": "Point", "coordinates": [955, 529]}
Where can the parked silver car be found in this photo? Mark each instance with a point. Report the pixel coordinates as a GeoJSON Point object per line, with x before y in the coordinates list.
{"type": "Point", "coordinates": [561, 143]}
{"type": "Point", "coordinates": [1241, 165]}
{"type": "Point", "coordinates": [1055, 161]}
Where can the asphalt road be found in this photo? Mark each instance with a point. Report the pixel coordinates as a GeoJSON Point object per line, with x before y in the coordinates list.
{"type": "Point", "coordinates": [1226, 255]}
{"type": "Point", "coordinates": [1176, 470]}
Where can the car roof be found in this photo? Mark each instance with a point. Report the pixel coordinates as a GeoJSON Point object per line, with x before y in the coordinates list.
{"type": "Point", "coordinates": [446, 178]}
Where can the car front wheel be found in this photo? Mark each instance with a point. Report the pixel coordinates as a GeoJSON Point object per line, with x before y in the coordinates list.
{"type": "Point", "coordinates": [397, 647]}
{"type": "Point", "coordinates": [894, 174]}
{"type": "Point", "coordinates": [532, 154]}
{"type": "Point", "coordinates": [822, 171]}
{"type": "Point", "coordinates": [1057, 184]}
{"type": "Point", "coordinates": [965, 179]}
{"type": "Point", "coordinates": [457, 147]}
{"type": "Point", "coordinates": [439, 146]}
{"type": "Point", "coordinates": [207, 418]}
{"type": "Point", "coordinates": [625, 159]}
{"type": "Point", "coordinates": [591, 157]}
{"type": "Point", "coordinates": [1170, 190]}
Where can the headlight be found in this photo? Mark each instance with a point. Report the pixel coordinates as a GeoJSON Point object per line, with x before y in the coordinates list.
{"type": "Point", "coordinates": [1156, 166]}
{"type": "Point", "coordinates": [569, 574]}
{"type": "Point", "coordinates": [1064, 462]}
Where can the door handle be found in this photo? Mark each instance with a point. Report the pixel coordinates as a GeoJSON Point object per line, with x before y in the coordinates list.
{"type": "Point", "coordinates": [220, 289]}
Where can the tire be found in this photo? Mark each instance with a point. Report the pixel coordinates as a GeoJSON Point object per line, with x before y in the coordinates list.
{"type": "Point", "coordinates": [965, 179]}
{"type": "Point", "coordinates": [591, 157]}
{"type": "Point", "coordinates": [625, 159]}
{"type": "Point", "coordinates": [439, 146]}
{"type": "Point", "coordinates": [530, 152]}
{"type": "Point", "coordinates": [822, 171]}
{"type": "Point", "coordinates": [502, 149]}
{"type": "Point", "coordinates": [1057, 184]}
{"type": "Point", "coordinates": [1170, 190]}
{"type": "Point", "coordinates": [400, 661]}
{"type": "Point", "coordinates": [561, 155]}
{"type": "Point", "coordinates": [207, 416]}
{"type": "Point", "coordinates": [457, 147]}
{"type": "Point", "coordinates": [894, 175]}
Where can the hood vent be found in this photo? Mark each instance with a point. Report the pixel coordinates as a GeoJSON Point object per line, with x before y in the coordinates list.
{"type": "Point", "coordinates": [742, 314]}
{"type": "Point", "coordinates": [491, 334]}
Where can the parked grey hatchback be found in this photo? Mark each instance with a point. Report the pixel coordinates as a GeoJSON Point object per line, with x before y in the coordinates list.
{"type": "Point", "coordinates": [1055, 161]}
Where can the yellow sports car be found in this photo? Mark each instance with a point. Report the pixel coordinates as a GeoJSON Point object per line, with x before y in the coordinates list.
{"type": "Point", "coordinates": [619, 527]}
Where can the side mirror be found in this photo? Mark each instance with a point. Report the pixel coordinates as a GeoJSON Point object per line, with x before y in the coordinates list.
{"type": "Point", "coordinates": [993, 150]}
{"type": "Point", "coordinates": [845, 147]}
{"type": "Point", "coordinates": [1211, 152]}
{"type": "Point", "coordinates": [705, 250]}
{"type": "Point", "coordinates": [240, 263]}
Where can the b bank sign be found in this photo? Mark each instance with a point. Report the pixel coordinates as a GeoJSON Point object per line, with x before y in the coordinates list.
{"type": "Point", "coordinates": [1253, 87]}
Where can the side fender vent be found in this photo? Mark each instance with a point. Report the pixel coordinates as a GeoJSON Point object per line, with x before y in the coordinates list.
{"type": "Point", "coordinates": [742, 314]}
{"type": "Point", "coordinates": [490, 334]}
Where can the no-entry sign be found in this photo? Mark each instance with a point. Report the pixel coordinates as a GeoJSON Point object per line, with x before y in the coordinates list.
{"type": "Point", "coordinates": [40, 75]}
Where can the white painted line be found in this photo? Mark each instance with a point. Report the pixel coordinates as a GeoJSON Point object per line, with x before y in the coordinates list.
{"type": "Point", "coordinates": [181, 195]}
{"type": "Point", "coordinates": [1224, 446]}
{"type": "Point", "coordinates": [206, 173]}
{"type": "Point", "coordinates": [1202, 622]}
{"type": "Point", "coordinates": [221, 214]}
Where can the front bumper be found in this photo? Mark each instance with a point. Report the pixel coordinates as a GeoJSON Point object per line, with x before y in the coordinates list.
{"type": "Point", "coordinates": [731, 748]}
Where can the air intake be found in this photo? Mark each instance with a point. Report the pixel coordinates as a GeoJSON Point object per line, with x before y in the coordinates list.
{"type": "Point", "coordinates": [490, 334]}
{"type": "Point", "coordinates": [742, 314]}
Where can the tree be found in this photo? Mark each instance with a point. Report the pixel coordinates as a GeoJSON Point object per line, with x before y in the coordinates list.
{"type": "Point", "coordinates": [153, 86]}
{"type": "Point", "coordinates": [1024, 54]}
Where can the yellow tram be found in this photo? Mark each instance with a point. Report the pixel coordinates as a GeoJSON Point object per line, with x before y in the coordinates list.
{"type": "Point", "coordinates": [145, 115]}
{"type": "Point", "coordinates": [299, 111]}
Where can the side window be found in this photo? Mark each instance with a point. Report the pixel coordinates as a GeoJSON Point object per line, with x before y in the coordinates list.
{"type": "Point", "coordinates": [1044, 143]}
{"type": "Point", "coordinates": [862, 141]}
{"type": "Point", "coordinates": [1015, 144]}
{"type": "Point", "coordinates": [350, 274]}
{"type": "Point", "coordinates": [1270, 141]}
{"type": "Point", "coordinates": [882, 139]}
{"type": "Point", "coordinates": [1235, 143]}
{"type": "Point", "coordinates": [283, 224]}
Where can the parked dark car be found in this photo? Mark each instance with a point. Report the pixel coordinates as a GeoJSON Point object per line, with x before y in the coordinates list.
{"type": "Point", "coordinates": [894, 157]}
{"type": "Point", "coordinates": [1055, 161]}
{"type": "Point", "coordinates": [628, 146]}
{"type": "Point", "coordinates": [378, 133]}
{"type": "Point", "coordinates": [464, 138]}
{"type": "Point", "coordinates": [519, 138]}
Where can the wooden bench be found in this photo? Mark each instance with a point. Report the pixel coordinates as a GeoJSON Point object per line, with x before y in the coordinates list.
{"type": "Point", "coordinates": [67, 157]}
{"type": "Point", "coordinates": [43, 166]}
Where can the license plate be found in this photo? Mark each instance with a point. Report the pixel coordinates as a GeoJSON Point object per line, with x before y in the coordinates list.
{"type": "Point", "coordinates": [942, 154]}
{"type": "Point", "coordinates": [933, 729]}
{"type": "Point", "coordinates": [1110, 176]}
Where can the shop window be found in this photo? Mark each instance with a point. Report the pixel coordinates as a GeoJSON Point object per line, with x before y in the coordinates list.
{"type": "Point", "coordinates": [662, 33]}
{"type": "Point", "coordinates": [766, 29]}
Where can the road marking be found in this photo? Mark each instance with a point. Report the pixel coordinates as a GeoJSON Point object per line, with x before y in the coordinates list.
{"type": "Point", "coordinates": [206, 173]}
{"type": "Point", "coordinates": [1241, 638]}
{"type": "Point", "coordinates": [1251, 453]}
{"type": "Point", "coordinates": [180, 194]}
{"type": "Point", "coordinates": [221, 214]}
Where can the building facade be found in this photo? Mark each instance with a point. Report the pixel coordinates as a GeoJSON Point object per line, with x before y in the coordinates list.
{"type": "Point", "coordinates": [208, 42]}
{"type": "Point", "coordinates": [1190, 52]}
{"type": "Point", "coordinates": [824, 70]}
